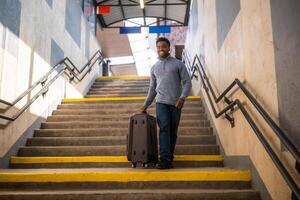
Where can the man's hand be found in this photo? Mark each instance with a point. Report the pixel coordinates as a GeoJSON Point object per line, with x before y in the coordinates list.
{"type": "Point", "coordinates": [143, 109]}
{"type": "Point", "coordinates": [179, 103]}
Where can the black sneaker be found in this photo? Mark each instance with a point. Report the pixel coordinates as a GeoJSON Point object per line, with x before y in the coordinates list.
{"type": "Point", "coordinates": [164, 165]}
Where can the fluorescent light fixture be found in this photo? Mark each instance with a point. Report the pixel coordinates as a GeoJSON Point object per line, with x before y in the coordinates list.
{"type": "Point", "coordinates": [142, 4]}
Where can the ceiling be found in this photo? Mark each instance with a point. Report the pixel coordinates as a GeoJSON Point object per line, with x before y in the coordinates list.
{"type": "Point", "coordinates": [162, 10]}
{"type": "Point", "coordinates": [111, 41]}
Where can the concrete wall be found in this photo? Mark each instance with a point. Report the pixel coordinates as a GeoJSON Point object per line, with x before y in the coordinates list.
{"type": "Point", "coordinates": [234, 39]}
{"type": "Point", "coordinates": [286, 34]}
{"type": "Point", "coordinates": [34, 35]}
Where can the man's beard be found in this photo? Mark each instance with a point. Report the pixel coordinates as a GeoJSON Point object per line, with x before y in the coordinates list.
{"type": "Point", "coordinates": [164, 55]}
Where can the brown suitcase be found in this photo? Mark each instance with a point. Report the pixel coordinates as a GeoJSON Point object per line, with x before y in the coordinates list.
{"type": "Point", "coordinates": [142, 140]}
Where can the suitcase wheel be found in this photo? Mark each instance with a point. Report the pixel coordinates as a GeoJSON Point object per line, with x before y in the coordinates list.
{"type": "Point", "coordinates": [146, 165]}
{"type": "Point", "coordinates": [133, 165]}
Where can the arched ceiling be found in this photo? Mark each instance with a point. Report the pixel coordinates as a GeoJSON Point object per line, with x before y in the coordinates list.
{"type": "Point", "coordinates": [163, 10]}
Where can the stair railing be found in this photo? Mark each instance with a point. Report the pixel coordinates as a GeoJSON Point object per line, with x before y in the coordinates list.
{"type": "Point", "coordinates": [64, 66]}
{"type": "Point", "coordinates": [197, 66]}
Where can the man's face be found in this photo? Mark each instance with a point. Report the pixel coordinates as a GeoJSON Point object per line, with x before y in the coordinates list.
{"type": "Point", "coordinates": [162, 49]}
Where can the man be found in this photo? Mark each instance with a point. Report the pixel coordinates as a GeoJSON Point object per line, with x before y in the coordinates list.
{"type": "Point", "coordinates": [171, 83]}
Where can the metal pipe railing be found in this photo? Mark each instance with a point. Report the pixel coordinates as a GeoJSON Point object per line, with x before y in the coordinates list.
{"type": "Point", "coordinates": [236, 103]}
{"type": "Point", "coordinates": [68, 66]}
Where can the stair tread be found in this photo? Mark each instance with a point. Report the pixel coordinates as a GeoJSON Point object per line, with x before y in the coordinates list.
{"type": "Point", "coordinates": [81, 138]}
{"type": "Point", "coordinates": [123, 131]}
{"type": "Point", "coordinates": [124, 170]}
{"type": "Point", "coordinates": [117, 157]}
{"type": "Point", "coordinates": [118, 91]}
{"type": "Point", "coordinates": [119, 122]}
{"type": "Point", "coordinates": [151, 108]}
{"type": "Point", "coordinates": [117, 87]}
{"type": "Point", "coordinates": [116, 146]}
{"type": "Point", "coordinates": [126, 128]}
{"type": "Point", "coordinates": [120, 191]}
{"type": "Point", "coordinates": [108, 129]}
{"type": "Point", "coordinates": [107, 159]}
{"type": "Point", "coordinates": [124, 175]}
{"type": "Point", "coordinates": [88, 100]}
{"type": "Point", "coordinates": [122, 116]}
{"type": "Point", "coordinates": [112, 137]}
{"type": "Point", "coordinates": [117, 106]}
{"type": "Point", "coordinates": [113, 95]}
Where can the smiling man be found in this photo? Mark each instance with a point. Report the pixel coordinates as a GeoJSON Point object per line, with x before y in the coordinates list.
{"type": "Point", "coordinates": [171, 83]}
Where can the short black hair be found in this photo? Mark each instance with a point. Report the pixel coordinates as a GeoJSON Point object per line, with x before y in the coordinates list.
{"type": "Point", "coordinates": [163, 39]}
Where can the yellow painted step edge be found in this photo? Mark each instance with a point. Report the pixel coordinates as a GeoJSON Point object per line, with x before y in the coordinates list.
{"type": "Point", "coordinates": [143, 176]}
{"type": "Point", "coordinates": [114, 99]}
{"type": "Point", "coordinates": [93, 159]}
{"type": "Point", "coordinates": [122, 77]}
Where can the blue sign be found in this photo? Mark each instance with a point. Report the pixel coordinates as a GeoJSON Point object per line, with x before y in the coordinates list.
{"type": "Point", "coordinates": [159, 29]}
{"type": "Point", "coordinates": [128, 30]}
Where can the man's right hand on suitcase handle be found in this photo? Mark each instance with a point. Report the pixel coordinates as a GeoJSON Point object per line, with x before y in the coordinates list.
{"type": "Point", "coordinates": [143, 109]}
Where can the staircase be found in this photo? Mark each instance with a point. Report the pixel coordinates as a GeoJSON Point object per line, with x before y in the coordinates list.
{"type": "Point", "coordinates": [79, 154]}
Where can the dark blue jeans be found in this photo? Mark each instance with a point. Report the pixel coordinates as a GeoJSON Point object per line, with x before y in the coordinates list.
{"type": "Point", "coordinates": [168, 118]}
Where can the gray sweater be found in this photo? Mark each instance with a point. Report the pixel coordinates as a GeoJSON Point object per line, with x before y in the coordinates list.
{"type": "Point", "coordinates": [169, 81]}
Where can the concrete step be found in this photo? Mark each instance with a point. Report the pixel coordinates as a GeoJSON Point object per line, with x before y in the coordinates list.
{"type": "Point", "coordinates": [120, 93]}
{"type": "Point", "coordinates": [100, 101]}
{"type": "Point", "coordinates": [127, 82]}
{"type": "Point", "coordinates": [116, 100]}
{"type": "Point", "coordinates": [121, 108]}
{"type": "Point", "coordinates": [95, 132]}
{"type": "Point", "coordinates": [114, 95]}
{"type": "Point", "coordinates": [116, 87]}
{"type": "Point", "coordinates": [77, 141]}
{"type": "Point", "coordinates": [117, 105]}
{"type": "Point", "coordinates": [132, 93]}
{"type": "Point", "coordinates": [109, 140]}
{"type": "Point", "coordinates": [120, 81]}
{"type": "Point", "coordinates": [120, 111]}
{"type": "Point", "coordinates": [108, 161]}
{"type": "Point", "coordinates": [62, 118]}
{"type": "Point", "coordinates": [129, 102]}
{"type": "Point", "coordinates": [112, 124]}
{"type": "Point", "coordinates": [125, 178]}
{"type": "Point", "coordinates": [126, 194]}
{"type": "Point", "coordinates": [121, 84]}
{"type": "Point", "coordinates": [109, 164]}
{"type": "Point", "coordinates": [116, 90]}
{"type": "Point", "coordinates": [115, 150]}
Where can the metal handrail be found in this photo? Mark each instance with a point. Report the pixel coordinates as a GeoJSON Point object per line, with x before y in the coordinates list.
{"type": "Point", "coordinates": [68, 66]}
{"type": "Point", "coordinates": [282, 136]}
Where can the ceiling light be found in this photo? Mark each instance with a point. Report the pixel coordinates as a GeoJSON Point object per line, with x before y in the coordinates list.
{"type": "Point", "coordinates": [142, 4]}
